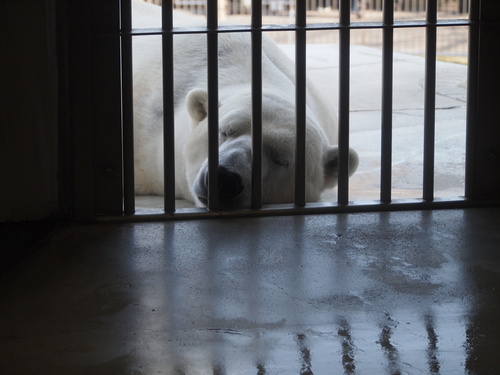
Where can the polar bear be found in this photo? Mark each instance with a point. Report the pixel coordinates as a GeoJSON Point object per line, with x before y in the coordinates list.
{"type": "Point", "coordinates": [235, 153]}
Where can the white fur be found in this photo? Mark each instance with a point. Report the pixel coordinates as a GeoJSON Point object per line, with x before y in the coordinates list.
{"type": "Point", "coordinates": [191, 140]}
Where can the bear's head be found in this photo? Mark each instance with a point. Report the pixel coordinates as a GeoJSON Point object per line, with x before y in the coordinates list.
{"type": "Point", "coordinates": [235, 152]}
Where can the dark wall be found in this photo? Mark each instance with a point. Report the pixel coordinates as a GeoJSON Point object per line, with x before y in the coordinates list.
{"type": "Point", "coordinates": [28, 111]}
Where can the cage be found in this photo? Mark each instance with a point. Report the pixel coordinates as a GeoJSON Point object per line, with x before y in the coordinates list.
{"type": "Point", "coordinates": [104, 152]}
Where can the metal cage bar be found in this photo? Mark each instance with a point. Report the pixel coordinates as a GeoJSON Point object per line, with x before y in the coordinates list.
{"type": "Point", "coordinates": [106, 99]}
{"type": "Point", "coordinates": [430, 100]}
{"type": "Point", "coordinates": [256, 104]}
{"type": "Point", "coordinates": [344, 103]}
{"type": "Point", "coordinates": [127, 109]}
{"type": "Point", "coordinates": [309, 27]}
{"type": "Point", "coordinates": [168, 107]}
{"type": "Point", "coordinates": [300, 28]}
{"type": "Point", "coordinates": [472, 100]}
{"type": "Point", "coordinates": [300, 104]}
{"type": "Point", "coordinates": [213, 104]}
{"type": "Point", "coordinates": [81, 184]}
{"type": "Point", "coordinates": [387, 97]}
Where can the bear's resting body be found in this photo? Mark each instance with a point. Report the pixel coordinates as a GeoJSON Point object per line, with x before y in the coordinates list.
{"type": "Point", "coordinates": [235, 119]}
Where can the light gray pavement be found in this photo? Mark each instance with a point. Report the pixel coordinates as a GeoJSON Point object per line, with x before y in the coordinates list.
{"type": "Point", "coordinates": [408, 118]}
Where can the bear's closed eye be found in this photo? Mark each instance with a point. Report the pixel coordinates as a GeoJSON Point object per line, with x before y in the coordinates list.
{"type": "Point", "coordinates": [278, 159]}
{"type": "Point", "coordinates": [281, 162]}
{"type": "Point", "coordinates": [223, 135]}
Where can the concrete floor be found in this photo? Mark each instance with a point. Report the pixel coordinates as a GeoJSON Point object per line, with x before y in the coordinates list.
{"type": "Point", "coordinates": [376, 293]}
{"type": "Point", "coordinates": [407, 117]}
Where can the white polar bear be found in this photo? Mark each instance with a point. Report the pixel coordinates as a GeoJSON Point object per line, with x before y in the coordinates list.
{"type": "Point", "coordinates": [235, 155]}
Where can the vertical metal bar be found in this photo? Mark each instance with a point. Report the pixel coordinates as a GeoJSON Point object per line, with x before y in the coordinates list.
{"type": "Point", "coordinates": [256, 103]}
{"type": "Point", "coordinates": [127, 109]}
{"type": "Point", "coordinates": [80, 109]}
{"type": "Point", "coordinates": [387, 96]}
{"type": "Point", "coordinates": [487, 131]}
{"type": "Point", "coordinates": [168, 107]}
{"type": "Point", "coordinates": [344, 92]}
{"type": "Point", "coordinates": [213, 105]}
{"type": "Point", "coordinates": [107, 121]}
{"type": "Point", "coordinates": [462, 7]}
{"type": "Point", "coordinates": [300, 104]}
{"type": "Point", "coordinates": [472, 100]}
{"type": "Point", "coordinates": [430, 101]}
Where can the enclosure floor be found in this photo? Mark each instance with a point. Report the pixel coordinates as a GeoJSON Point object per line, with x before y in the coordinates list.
{"type": "Point", "coordinates": [376, 293]}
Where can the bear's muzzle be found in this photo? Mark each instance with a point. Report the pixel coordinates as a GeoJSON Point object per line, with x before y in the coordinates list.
{"type": "Point", "coordinates": [230, 188]}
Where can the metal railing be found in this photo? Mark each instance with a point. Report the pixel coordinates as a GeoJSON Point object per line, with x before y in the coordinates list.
{"type": "Point", "coordinates": [300, 28]}
{"type": "Point", "coordinates": [276, 6]}
{"type": "Point", "coordinates": [452, 40]}
{"type": "Point", "coordinates": [101, 74]}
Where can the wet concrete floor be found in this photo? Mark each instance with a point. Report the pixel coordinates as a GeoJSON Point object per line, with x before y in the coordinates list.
{"type": "Point", "coordinates": [376, 293]}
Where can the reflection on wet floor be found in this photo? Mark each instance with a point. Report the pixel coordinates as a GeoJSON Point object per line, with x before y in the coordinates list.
{"type": "Point", "coordinates": [413, 351]}
{"type": "Point", "coordinates": [390, 351]}
{"type": "Point", "coordinates": [432, 347]}
{"type": "Point", "coordinates": [381, 293]}
{"type": "Point", "coordinates": [348, 347]}
{"type": "Point", "coordinates": [342, 307]}
{"type": "Point", "coordinates": [305, 354]}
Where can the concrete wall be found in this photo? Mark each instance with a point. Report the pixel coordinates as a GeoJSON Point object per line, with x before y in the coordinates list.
{"type": "Point", "coordinates": [28, 111]}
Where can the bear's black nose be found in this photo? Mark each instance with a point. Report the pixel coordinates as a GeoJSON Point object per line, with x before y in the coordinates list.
{"type": "Point", "coordinates": [230, 185]}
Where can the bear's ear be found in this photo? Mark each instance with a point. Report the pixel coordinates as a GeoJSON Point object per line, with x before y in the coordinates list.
{"type": "Point", "coordinates": [331, 162]}
{"type": "Point", "coordinates": [197, 104]}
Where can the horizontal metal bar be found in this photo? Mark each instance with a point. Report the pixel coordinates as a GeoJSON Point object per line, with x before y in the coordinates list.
{"type": "Point", "coordinates": [310, 209]}
{"type": "Point", "coordinates": [286, 27]}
